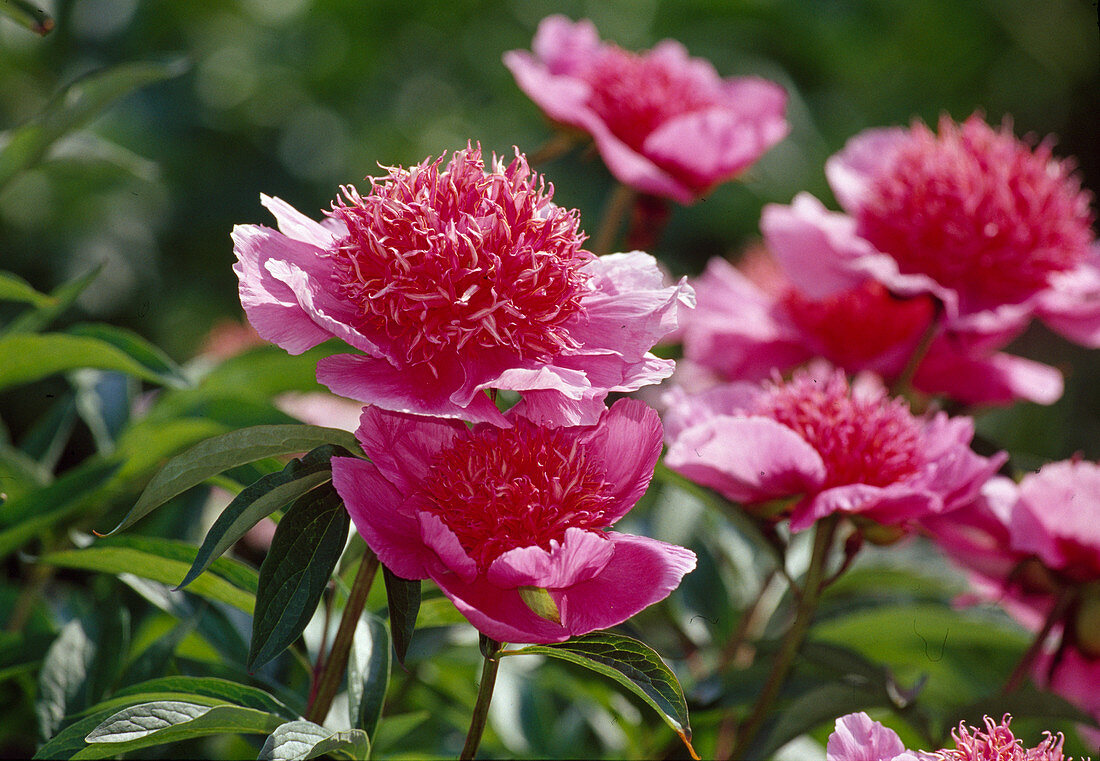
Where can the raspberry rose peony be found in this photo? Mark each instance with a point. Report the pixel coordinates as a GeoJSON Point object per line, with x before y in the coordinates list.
{"type": "Point", "coordinates": [512, 523]}
{"type": "Point", "coordinates": [664, 123]}
{"type": "Point", "coordinates": [455, 279]}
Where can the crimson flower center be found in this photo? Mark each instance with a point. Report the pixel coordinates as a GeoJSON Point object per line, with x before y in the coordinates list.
{"type": "Point", "coordinates": [501, 488]}
{"type": "Point", "coordinates": [978, 211]}
{"type": "Point", "coordinates": [439, 258]}
{"type": "Point", "coordinates": [862, 439]}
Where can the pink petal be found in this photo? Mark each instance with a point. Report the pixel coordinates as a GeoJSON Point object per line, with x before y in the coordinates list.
{"type": "Point", "coordinates": [375, 508]}
{"type": "Point", "coordinates": [998, 379]}
{"type": "Point", "coordinates": [294, 224]}
{"type": "Point", "coordinates": [684, 410]}
{"type": "Point", "coordinates": [580, 556]}
{"type": "Point", "coordinates": [851, 171]}
{"type": "Point", "coordinates": [560, 97]}
{"type": "Point", "coordinates": [641, 572]}
{"type": "Point", "coordinates": [554, 409]}
{"type": "Point", "coordinates": [565, 46]}
{"type": "Point", "coordinates": [1058, 517]}
{"type": "Point", "coordinates": [888, 505]}
{"type": "Point", "coordinates": [628, 441]}
{"type": "Point", "coordinates": [1071, 305]}
{"type": "Point", "coordinates": [441, 540]}
{"type": "Point", "coordinates": [402, 446]}
{"type": "Point", "coordinates": [499, 613]}
{"type": "Point", "coordinates": [747, 459]}
{"type": "Point", "coordinates": [414, 390]}
{"type": "Point", "coordinates": [858, 738]}
{"type": "Point", "coordinates": [954, 471]}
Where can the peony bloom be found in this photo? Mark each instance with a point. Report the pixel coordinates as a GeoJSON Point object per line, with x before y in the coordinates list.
{"type": "Point", "coordinates": [454, 280]}
{"type": "Point", "coordinates": [832, 447]}
{"type": "Point", "coordinates": [858, 738]}
{"type": "Point", "coordinates": [995, 229]}
{"type": "Point", "coordinates": [745, 330]}
{"type": "Point", "coordinates": [512, 523]}
{"type": "Point", "coordinates": [664, 123]}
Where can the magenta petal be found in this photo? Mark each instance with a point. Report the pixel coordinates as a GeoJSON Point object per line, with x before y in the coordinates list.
{"type": "Point", "coordinates": [628, 441]}
{"type": "Point", "coordinates": [402, 446]}
{"type": "Point", "coordinates": [375, 508]}
{"type": "Point", "coordinates": [865, 155]}
{"type": "Point", "coordinates": [642, 571]}
{"type": "Point", "coordinates": [630, 167]}
{"type": "Point", "coordinates": [270, 304]}
{"type": "Point", "coordinates": [888, 505]}
{"type": "Point", "coordinates": [413, 390]}
{"type": "Point", "coordinates": [858, 738]}
{"type": "Point", "coordinates": [997, 379]}
{"type": "Point", "coordinates": [498, 613]}
{"type": "Point", "coordinates": [749, 459]}
{"type": "Point", "coordinates": [554, 409]}
{"type": "Point", "coordinates": [445, 544]}
{"type": "Point", "coordinates": [578, 557]}
{"type": "Point", "coordinates": [1071, 305]}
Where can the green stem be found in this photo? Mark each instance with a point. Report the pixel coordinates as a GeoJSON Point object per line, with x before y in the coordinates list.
{"type": "Point", "coordinates": [618, 205]}
{"type": "Point", "coordinates": [333, 671]}
{"type": "Point", "coordinates": [491, 649]}
{"type": "Point", "coordinates": [905, 381]}
{"type": "Point", "coordinates": [1057, 613]}
{"type": "Point", "coordinates": [792, 640]}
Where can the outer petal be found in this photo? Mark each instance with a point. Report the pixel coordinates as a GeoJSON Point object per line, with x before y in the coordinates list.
{"type": "Point", "coordinates": [413, 390]}
{"type": "Point", "coordinates": [402, 446]}
{"type": "Point", "coordinates": [684, 410]}
{"type": "Point", "coordinates": [452, 558]}
{"type": "Point", "coordinates": [270, 304]}
{"type": "Point", "coordinates": [628, 441]}
{"type": "Point", "coordinates": [296, 225]}
{"type": "Point", "coordinates": [375, 508]}
{"type": "Point", "coordinates": [1058, 517]}
{"type": "Point", "coordinates": [998, 379]}
{"type": "Point", "coordinates": [889, 505]}
{"type": "Point", "coordinates": [747, 459]}
{"type": "Point", "coordinates": [552, 408]}
{"type": "Point", "coordinates": [498, 613]}
{"type": "Point", "coordinates": [851, 171]}
{"type": "Point", "coordinates": [1071, 305]}
{"type": "Point", "coordinates": [954, 471]}
{"type": "Point", "coordinates": [580, 556]}
{"type": "Point", "coordinates": [858, 738]}
{"type": "Point", "coordinates": [565, 46]}
{"type": "Point", "coordinates": [641, 572]}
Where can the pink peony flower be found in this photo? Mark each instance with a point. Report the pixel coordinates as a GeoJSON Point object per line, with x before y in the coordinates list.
{"type": "Point", "coordinates": [665, 123]}
{"type": "Point", "coordinates": [857, 738]}
{"type": "Point", "coordinates": [742, 331]}
{"type": "Point", "coordinates": [454, 280]}
{"type": "Point", "coordinates": [512, 523]}
{"type": "Point", "coordinates": [995, 229]}
{"type": "Point", "coordinates": [832, 447]}
{"type": "Point", "coordinates": [1074, 676]}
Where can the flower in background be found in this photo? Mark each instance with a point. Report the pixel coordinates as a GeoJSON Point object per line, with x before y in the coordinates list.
{"type": "Point", "coordinates": [454, 279]}
{"type": "Point", "coordinates": [830, 447]}
{"type": "Point", "coordinates": [858, 738]}
{"type": "Point", "coordinates": [995, 229]}
{"type": "Point", "coordinates": [664, 123]}
{"type": "Point", "coordinates": [752, 321]}
{"type": "Point", "coordinates": [512, 523]}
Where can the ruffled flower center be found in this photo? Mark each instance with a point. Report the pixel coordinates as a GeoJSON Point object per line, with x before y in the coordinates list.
{"type": "Point", "coordinates": [635, 93]}
{"type": "Point", "coordinates": [864, 438]}
{"type": "Point", "coordinates": [501, 488]}
{"type": "Point", "coordinates": [978, 211]}
{"type": "Point", "coordinates": [997, 743]}
{"type": "Point", "coordinates": [859, 325]}
{"type": "Point", "coordinates": [438, 259]}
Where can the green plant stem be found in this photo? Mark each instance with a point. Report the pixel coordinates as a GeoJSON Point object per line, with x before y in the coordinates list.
{"type": "Point", "coordinates": [792, 640]}
{"type": "Point", "coordinates": [481, 708]}
{"type": "Point", "coordinates": [1057, 613]}
{"type": "Point", "coordinates": [333, 671]}
{"type": "Point", "coordinates": [618, 206]}
{"type": "Point", "coordinates": [904, 383]}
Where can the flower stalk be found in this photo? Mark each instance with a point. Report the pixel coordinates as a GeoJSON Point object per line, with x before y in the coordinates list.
{"type": "Point", "coordinates": [490, 648]}
{"type": "Point", "coordinates": [614, 214]}
{"type": "Point", "coordinates": [1057, 613]}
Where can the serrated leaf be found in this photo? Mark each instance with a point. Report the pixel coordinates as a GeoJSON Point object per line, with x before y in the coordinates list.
{"type": "Point", "coordinates": [302, 740]}
{"type": "Point", "coordinates": [63, 677]}
{"type": "Point", "coordinates": [161, 722]}
{"type": "Point", "coordinates": [31, 356]}
{"type": "Point", "coordinates": [304, 551]}
{"type": "Point", "coordinates": [73, 108]}
{"type": "Point", "coordinates": [15, 288]}
{"type": "Point", "coordinates": [368, 673]}
{"type": "Point", "coordinates": [135, 347]}
{"type": "Point", "coordinates": [631, 663]}
{"type": "Point", "coordinates": [28, 14]}
{"type": "Point", "coordinates": [213, 456]}
{"type": "Point", "coordinates": [260, 500]}
{"type": "Point", "coordinates": [403, 599]}
{"type": "Point", "coordinates": [165, 561]}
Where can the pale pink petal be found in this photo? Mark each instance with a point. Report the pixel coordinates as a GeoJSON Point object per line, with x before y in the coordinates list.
{"type": "Point", "coordinates": [858, 738]}
{"type": "Point", "coordinates": [563, 45]}
{"type": "Point", "coordinates": [499, 613]}
{"type": "Point", "coordinates": [642, 571]}
{"type": "Point", "coordinates": [747, 459]}
{"type": "Point", "coordinates": [554, 409]}
{"type": "Point", "coordinates": [628, 443]}
{"type": "Point", "coordinates": [1071, 305]}
{"type": "Point", "coordinates": [852, 169]}
{"type": "Point", "coordinates": [632, 168]}
{"type": "Point", "coordinates": [560, 97]}
{"type": "Point", "coordinates": [997, 379]}
{"type": "Point", "coordinates": [402, 446]}
{"type": "Point", "coordinates": [578, 557]}
{"type": "Point", "coordinates": [375, 507]}
{"type": "Point", "coordinates": [414, 390]}
{"type": "Point", "coordinates": [954, 471]}
{"type": "Point", "coordinates": [442, 541]}
{"type": "Point", "coordinates": [684, 410]}
{"type": "Point", "coordinates": [293, 224]}
{"type": "Point", "coordinates": [889, 505]}
{"type": "Point", "coordinates": [319, 408]}
{"type": "Point", "coordinates": [1058, 517]}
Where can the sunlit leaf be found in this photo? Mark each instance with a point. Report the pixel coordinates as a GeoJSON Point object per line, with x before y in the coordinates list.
{"type": "Point", "coordinates": [15, 288]}
{"type": "Point", "coordinates": [62, 680]}
{"type": "Point", "coordinates": [368, 673]}
{"type": "Point", "coordinates": [29, 357]}
{"type": "Point", "coordinates": [302, 740]}
{"type": "Point", "coordinates": [135, 347]}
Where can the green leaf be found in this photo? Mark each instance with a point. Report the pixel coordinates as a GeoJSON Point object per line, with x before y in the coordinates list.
{"type": "Point", "coordinates": [28, 14]}
{"type": "Point", "coordinates": [368, 673]}
{"type": "Point", "coordinates": [156, 658]}
{"type": "Point", "coordinates": [212, 687]}
{"type": "Point", "coordinates": [62, 680]}
{"type": "Point", "coordinates": [15, 288]}
{"type": "Point", "coordinates": [815, 707]}
{"type": "Point", "coordinates": [161, 722]}
{"type": "Point", "coordinates": [304, 551]}
{"type": "Point", "coordinates": [301, 740]}
{"type": "Point", "coordinates": [632, 664]}
{"type": "Point", "coordinates": [403, 599]}
{"type": "Point", "coordinates": [1026, 702]}
{"type": "Point", "coordinates": [260, 500]}
{"type": "Point", "coordinates": [165, 561]}
{"type": "Point", "coordinates": [213, 456]}
{"type": "Point", "coordinates": [135, 347]}
{"type": "Point", "coordinates": [73, 108]}
{"type": "Point", "coordinates": [30, 356]}
{"type": "Point", "coordinates": [61, 298]}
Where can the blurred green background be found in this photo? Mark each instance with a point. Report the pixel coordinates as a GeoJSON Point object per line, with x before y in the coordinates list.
{"type": "Point", "coordinates": [293, 97]}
